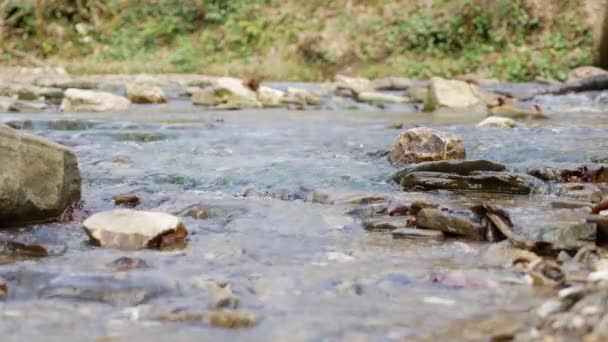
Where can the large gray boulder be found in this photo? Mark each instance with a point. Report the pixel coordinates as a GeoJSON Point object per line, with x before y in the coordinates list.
{"type": "Point", "coordinates": [39, 179]}
{"type": "Point", "coordinates": [422, 144]}
{"type": "Point", "coordinates": [79, 100]}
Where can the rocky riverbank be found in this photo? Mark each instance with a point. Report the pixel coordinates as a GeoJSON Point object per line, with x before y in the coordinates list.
{"type": "Point", "coordinates": [211, 204]}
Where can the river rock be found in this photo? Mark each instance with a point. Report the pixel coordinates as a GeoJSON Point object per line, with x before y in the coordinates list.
{"type": "Point", "coordinates": [462, 224]}
{"type": "Point", "coordinates": [418, 94]}
{"type": "Point", "coordinates": [459, 167]}
{"type": "Point", "coordinates": [204, 97]}
{"type": "Point", "coordinates": [392, 83]}
{"type": "Point", "coordinates": [415, 233]}
{"type": "Point", "coordinates": [423, 144]}
{"type": "Point", "coordinates": [131, 229]}
{"type": "Point", "coordinates": [377, 97]}
{"type": "Point", "coordinates": [582, 174]}
{"type": "Point", "coordinates": [39, 178]}
{"type": "Point", "coordinates": [30, 92]}
{"type": "Point", "coordinates": [352, 86]}
{"type": "Point", "coordinates": [511, 109]}
{"type": "Point", "coordinates": [143, 93]}
{"type": "Point", "coordinates": [484, 181]}
{"type": "Point", "coordinates": [384, 223]}
{"type": "Point", "coordinates": [301, 97]}
{"type": "Point", "coordinates": [583, 72]}
{"type": "Point", "coordinates": [270, 97]}
{"type": "Point", "coordinates": [453, 95]}
{"type": "Point", "coordinates": [231, 93]}
{"type": "Point", "coordinates": [497, 121]}
{"type": "Point", "coordinates": [78, 100]}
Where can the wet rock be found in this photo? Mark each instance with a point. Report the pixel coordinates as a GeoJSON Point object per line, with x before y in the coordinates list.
{"type": "Point", "coordinates": [221, 319]}
{"type": "Point", "coordinates": [414, 233]}
{"type": "Point", "coordinates": [384, 223]}
{"type": "Point", "coordinates": [498, 122]}
{"type": "Point", "coordinates": [221, 293]}
{"type": "Point", "coordinates": [78, 100]}
{"type": "Point", "coordinates": [583, 72]}
{"type": "Point", "coordinates": [127, 200]}
{"type": "Point", "coordinates": [545, 273]}
{"type": "Point", "coordinates": [39, 178]}
{"type": "Point", "coordinates": [485, 181]}
{"type": "Point", "coordinates": [11, 251]}
{"type": "Point", "coordinates": [143, 93]}
{"type": "Point", "coordinates": [270, 97]}
{"type": "Point", "coordinates": [379, 98]}
{"type": "Point", "coordinates": [455, 223]}
{"type": "Point", "coordinates": [600, 208]}
{"type": "Point", "coordinates": [423, 144]}
{"type": "Point", "coordinates": [582, 174]}
{"type": "Point", "coordinates": [568, 235]}
{"type": "Point", "coordinates": [131, 229]}
{"type": "Point", "coordinates": [197, 211]}
{"type": "Point", "coordinates": [571, 204]}
{"type": "Point", "coordinates": [128, 264]}
{"type": "Point", "coordinates": [459, 167]}
{"type": "Point", "coordinates": [453, 95]}
{"type": "Point", "coordinates": [3, 289]}
{"type": "Point", "coordinates": [128, 292]}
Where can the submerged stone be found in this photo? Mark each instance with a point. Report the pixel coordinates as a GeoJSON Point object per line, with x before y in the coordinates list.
{"type": "Point", "coordinates": [583, 174]}
{"type": "Point", "coordinates": [424, 144]}
{"type": "Point", "coordinates": [484, 181]}
{"type": "Point", "coordinates": [130, 291]}
{"type": "Point", "coordinates": [131, 229]}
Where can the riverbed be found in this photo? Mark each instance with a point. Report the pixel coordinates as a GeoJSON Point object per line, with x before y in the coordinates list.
{"type": "Point", "coordinates": [306, 271]}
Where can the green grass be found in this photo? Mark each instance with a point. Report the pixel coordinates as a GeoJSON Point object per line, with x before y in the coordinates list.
{"type": "Point", "coordinates": [300, 39]}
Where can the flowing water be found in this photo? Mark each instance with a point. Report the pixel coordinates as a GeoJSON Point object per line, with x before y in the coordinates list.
{"type": "Point", "coordinates": [307, 271]}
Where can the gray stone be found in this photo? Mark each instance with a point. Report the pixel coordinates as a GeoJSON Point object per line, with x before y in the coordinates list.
{"type": "Point", "coordinates": [451, 223]}
{"type": "Point", "coordinates": [39, 178]}
{"type": "Point", "coordinates": [492, 182]}
{"type": "Point", "coordinates": [415, 233]}
{"type": "Point", "coordinates": [143, 93]}
{"type": "Point", "coordinates": [422, 144]}
{"type": "Point", "coordinates": [78, 100]}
